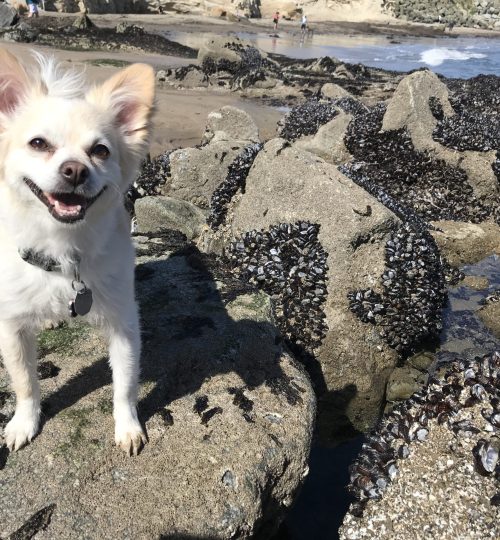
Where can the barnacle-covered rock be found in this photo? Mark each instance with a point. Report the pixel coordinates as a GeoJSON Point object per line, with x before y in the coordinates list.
{"type": "Point", "coordinates": [244, 63]}
{"type": "Point", "coordinates": [306, 119]}
{"type": "Point", "coordinates": [410, 109]}
{"type": "Point", "coordinates": [413, 283]}
{"type": "Point", "coordinates": [308, 233]}
{"type": "Point", "coordinates": [196, 173]}
{"type": "Point", "coordinates": [438, 452]}
{"type": "Point", "coordinates": [432, 188]}
{"type": "Point", "coordinates": [234, 181]}
{"type": "Point", "coordinates": [153, 176]}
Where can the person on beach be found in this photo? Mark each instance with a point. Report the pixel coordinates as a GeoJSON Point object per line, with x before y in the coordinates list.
{"type": "Point", "coordinates": [303, 25]}
{"type": "Point", "coordinates": [276, 18]}
{"type": "Point", "coordinates": [32, 8]}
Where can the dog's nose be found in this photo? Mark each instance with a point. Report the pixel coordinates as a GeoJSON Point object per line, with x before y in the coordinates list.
{"type": "Point", "coordinates": [74, 172]}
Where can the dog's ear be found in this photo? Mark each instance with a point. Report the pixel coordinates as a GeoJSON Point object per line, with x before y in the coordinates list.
{"type": "Point", "coordinates": [130, 94]}
{"type": "Point", "coordinates": [14, 83]}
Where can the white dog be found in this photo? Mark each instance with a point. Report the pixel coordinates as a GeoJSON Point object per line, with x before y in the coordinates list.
{"type": "Point", "coordinates": [68, 155]}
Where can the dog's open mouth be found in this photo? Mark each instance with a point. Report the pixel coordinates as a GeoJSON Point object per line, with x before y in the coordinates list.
{"type": "Point", "coordinates": [65, 207]}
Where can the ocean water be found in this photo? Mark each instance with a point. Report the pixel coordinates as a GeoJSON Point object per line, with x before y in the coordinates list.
{"type": "Point", "coordinates": [451, 56]}
{"type": "Point", "coordinates": [462, 57]}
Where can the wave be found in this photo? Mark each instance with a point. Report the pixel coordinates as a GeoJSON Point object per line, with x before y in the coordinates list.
{"type": "Point", "coordinates": [435, 57]}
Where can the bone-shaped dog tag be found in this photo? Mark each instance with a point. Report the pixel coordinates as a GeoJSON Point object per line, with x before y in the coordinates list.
{"type": "Point", "coordinates": [82, 303]}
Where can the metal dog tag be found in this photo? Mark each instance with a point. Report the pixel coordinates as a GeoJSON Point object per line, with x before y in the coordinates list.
{"type": "Point", "coordinates": [82, 303]}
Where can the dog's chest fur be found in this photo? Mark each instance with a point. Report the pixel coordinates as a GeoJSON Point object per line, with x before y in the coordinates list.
{"type": "Point", "coordinates": [30, 293]}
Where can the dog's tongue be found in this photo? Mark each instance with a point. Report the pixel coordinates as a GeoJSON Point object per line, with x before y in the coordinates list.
{"type": "Point", "coordinates": [66, 204]}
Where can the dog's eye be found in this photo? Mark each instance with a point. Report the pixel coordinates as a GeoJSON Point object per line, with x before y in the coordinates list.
{"type": "Point", "coordinates": [39, 144]}
{"type": "Point", "coordinates": [100, 151]}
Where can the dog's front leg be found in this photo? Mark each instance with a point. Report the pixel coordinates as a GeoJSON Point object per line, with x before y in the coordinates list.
{"type": "Point", "coordinates": [124, 353]}
{"type": "Point", "coordinates": [18, 347]}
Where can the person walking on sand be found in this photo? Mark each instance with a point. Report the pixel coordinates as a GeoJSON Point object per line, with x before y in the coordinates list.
{"type": "Point", "coordinates": [32, 8]}
{"type": "Point", "coordinates": [276, 18]}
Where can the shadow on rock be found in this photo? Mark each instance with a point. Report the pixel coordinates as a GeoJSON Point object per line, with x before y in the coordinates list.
{"type": "Point", "coordinates": [196, 327]}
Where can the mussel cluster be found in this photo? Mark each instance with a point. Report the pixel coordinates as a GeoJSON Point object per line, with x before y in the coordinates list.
{"type": "Point", "coordinates": [152, 176]}
{"type": "Point", "coordinates": [491, 298]}
{"type": "Point", "coordinates": [235, 180]}
{"type": "Point", "coordinates": [350, 105]}
{"type": "Point", "coordinates": [429, 186]}
{"type": "Point", "coordinates": [289, 263]}
{"type": "Point", "coordinates": [306, 118]}
{"type": "Point", "coordinates": [414, 292]}
{"type": "Point", "coordinates": [476, 122]}
{"type": "Point", "coordinates": [445, 400]}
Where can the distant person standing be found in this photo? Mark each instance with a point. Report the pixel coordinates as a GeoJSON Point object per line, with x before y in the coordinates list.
{"type": "Point", "coordinates": [276, 19]}
{"type": "Point", "coordinates": [32, 8]}
{"type": "Point", "coordinates": [303, 25]}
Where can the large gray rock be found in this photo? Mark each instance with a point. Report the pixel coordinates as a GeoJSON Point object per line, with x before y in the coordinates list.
{"type": "Point", "coordinates": [230, 123]}
{"type": "Point", "coordinates": [156, 212]}
{"type": "Point", "coordinates": [409, 108]}
{"type": "Point", "coordinates": [286, 185]}
{"type": "Point", "coordinates": [8, 15]}
{"type": "Point", "coordinates": [328, 142]}
{"type": "Point", "coordinates": [229, 416]}
{"type": "Point", "coordinates": [197, 172]}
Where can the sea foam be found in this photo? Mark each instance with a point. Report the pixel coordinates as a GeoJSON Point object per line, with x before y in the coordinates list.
{"type": "Point", "coordinates": [435, 57]}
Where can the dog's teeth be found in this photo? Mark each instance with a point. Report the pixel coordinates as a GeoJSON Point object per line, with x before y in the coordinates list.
{"type": "Point", "coordinates": [66, 210]}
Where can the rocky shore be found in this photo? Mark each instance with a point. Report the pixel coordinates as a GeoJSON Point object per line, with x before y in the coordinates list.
{"type": "Point", "coordinates": [288, 285]}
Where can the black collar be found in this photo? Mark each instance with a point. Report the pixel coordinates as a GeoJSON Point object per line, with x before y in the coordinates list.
{"type": "Point", "coordinates": [38, 259]}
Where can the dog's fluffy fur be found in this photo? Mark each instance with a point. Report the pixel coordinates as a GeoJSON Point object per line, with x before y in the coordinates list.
{"type": "Point", "coordinates": [48, 118]}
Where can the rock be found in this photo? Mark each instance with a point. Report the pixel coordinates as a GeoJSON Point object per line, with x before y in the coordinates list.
{"type": "Point", "coordinates": [197, 172]}
{"type": "Point", "coordinates": [352, 363]}
{"type": "Point", "coordinates": [225, 51]}
{"type": "Point", "coordinates": [287, 8]}
{"type": "Point", "coordinates": [82, 22]}
{"type": "Point", "coordinates": [466, 243]}
{"type": "Point", "coordinates": [328, 143]}
{"type": "Point", "coordinates": [421, 361]}
{"type": "Point", "coordinates": [230, 123]}
{"type": "Point", "coordinates": [490, 315]}
{"type": "Point", "coordinates": [432, 463]}
{"type": "Point", "coordinates": [156, 212]}
{"type": "Point", "coordinates": [20, 33]}
{"type": "Point", "coordinates": [403, 382]}
{"type": "Point", "coordinates": [229, 416]}
{"type": "Point", "coordinates": [334, 91]}
{"type": "Point", "coordinates": [479, 283]}
{"type": "Point", "coordinates": [8, 16]}
{"type": "Point", "coordinates": [127, 28]}
{"type": "Point", "coordinates": [217, 12]}
{"type": "Point", "coordinates": [409, 108]}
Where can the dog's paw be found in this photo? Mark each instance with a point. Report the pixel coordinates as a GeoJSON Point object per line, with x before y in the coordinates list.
{"type": "Point", "coordinates": [130, 436]}
{"type": "Point", "coordinates": [20, 430]}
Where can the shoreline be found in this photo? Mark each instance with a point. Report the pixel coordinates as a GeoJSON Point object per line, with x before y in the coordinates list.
{"type": "Point", "coordinates": [197, 23]}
